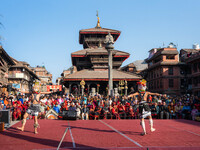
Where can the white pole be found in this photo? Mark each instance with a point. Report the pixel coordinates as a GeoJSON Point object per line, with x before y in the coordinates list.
{"type": "Point", "coordinates": [62, 139]}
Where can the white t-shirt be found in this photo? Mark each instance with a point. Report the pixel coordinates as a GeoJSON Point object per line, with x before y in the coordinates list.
{"type": "Point", "coordinates": [110, 102]}
{"type": "Point", "coordinates": [43, 100]}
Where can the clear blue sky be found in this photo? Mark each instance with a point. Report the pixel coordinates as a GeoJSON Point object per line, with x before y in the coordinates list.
{"type": "Point", "coordinates": [46, 31]}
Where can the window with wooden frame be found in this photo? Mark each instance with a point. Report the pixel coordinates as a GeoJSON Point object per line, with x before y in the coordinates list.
{"type": "Point", "coordinates": [171, 83]}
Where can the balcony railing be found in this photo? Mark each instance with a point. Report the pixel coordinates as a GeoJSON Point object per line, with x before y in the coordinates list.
{"type": "Point", "coordinates": [99, 59]}
{"type": "Point", "coordinates": [19, 76]}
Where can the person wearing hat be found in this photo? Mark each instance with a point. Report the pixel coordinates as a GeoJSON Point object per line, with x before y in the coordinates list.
{"type": "Point", "coordinates": [144, 108]}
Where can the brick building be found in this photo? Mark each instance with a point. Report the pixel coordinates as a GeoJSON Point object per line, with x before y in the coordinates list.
{"type": "Point", "coordinates": [44, 76]}
{"type": "Point", "coordinates": [21, 77]}
{"type": "Point", "coordinates": [173, 73]}
{"type": "Point", "coordinates": [191, 70]}
{"type": "Point", "coordinates": [163, 73]}
{"type": "Point", "coordinates": [5, 63]}
{"type": "Point", "coordinates": [194, 78]}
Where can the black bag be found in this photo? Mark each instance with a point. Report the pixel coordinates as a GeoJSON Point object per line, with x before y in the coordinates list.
{"type": "Point", "coordinates": [71, 115]}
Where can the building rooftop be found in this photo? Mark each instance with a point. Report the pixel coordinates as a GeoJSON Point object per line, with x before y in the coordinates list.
{"type": "Point", "coordinates": [193, 57]}
{"type": "Point", "coordinates": [99, 51]}
{"type": "Point", "coordinates": [140, 65]}
{"type": "Point", "coordinates": [21, 64]}
{"type": "Point", "coordinates": [100, 30]}
{"type": "Point", "coordinates": [163, 51]}
{"type": "Point", "coordinates": [7, 57]}
{"type": "Point", "coordinates": [101, 75]}
{"type": "Point", "coordinates": [190, 50]}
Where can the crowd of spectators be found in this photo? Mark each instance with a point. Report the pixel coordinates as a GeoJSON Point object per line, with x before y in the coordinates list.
{"type": "Point", "coordinates": [104, 107]}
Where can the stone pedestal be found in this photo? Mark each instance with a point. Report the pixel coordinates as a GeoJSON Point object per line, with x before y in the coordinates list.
{"type": "Point", "coordinates": [93, 92]}
{"type": "Point", "coordinates": [116, 92]}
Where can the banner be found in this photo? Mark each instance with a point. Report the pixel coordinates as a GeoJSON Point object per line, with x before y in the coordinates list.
{"type": "Point", "coordinates": [17, 86]}
{"type": "Point", "coordinates": [54, 87]}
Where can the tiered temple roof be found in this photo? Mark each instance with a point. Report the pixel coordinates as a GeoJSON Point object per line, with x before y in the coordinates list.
{"type": "Point", "coordinates": [91, 75]}
{"type": "Point", "coordinates": [92, 61]}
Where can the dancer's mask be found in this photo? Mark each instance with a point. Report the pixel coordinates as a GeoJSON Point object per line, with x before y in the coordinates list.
{"type": "Point", "coordinates": [142, 85]}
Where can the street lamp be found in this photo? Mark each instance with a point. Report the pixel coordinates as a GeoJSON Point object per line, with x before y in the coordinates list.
{"type": "Point", "coordinates": [109, 46]}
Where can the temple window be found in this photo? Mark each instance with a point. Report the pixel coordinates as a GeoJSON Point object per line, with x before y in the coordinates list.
{"type": "Point", "coordinates": [170, 57]}
{"type": "Point", "coordinates": [170, 71]}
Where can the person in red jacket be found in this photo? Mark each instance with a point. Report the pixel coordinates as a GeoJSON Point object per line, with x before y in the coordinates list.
{"type": "Point", "coordinates": [131, 113]}
{"type": "Point", "coordinates": [121, 110]}
{"type": "Point", "coordinates": [115, 112]}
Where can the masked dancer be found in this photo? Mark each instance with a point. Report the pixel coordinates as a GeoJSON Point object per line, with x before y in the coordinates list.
{"type": "Point", "coordinates": [33, 110]}
{"type": "Point", "coordinates": [144, 108]}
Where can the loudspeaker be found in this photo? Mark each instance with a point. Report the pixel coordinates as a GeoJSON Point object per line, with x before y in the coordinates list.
{"type": "Point", "coordinates": [5, 116]}
{"type": "Point", "coordinates": [70, 115]}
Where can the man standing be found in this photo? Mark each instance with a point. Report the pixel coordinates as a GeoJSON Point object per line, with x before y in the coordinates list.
{"type": "Point", "coordinates": [85, 112]}
{"type": "Point", "coordinates": [164, 111]}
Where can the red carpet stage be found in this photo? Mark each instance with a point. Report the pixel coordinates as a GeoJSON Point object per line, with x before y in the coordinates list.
{"type": "Point", "coordinates": [103, 134]}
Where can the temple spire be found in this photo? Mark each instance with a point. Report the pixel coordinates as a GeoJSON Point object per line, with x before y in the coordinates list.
{"type": "Point", "coordinates": [98, 21]}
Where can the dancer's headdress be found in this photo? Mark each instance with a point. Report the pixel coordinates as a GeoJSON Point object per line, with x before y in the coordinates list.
{"type": "Point", "coordinates": [142, 85]}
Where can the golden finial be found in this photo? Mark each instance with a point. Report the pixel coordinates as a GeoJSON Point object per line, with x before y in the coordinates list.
{"type": "Point", "coordinates": [98, 22]}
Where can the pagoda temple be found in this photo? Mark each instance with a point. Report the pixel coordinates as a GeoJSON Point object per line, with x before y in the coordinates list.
{"type": "Point", "coordinates": [91, 65]}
